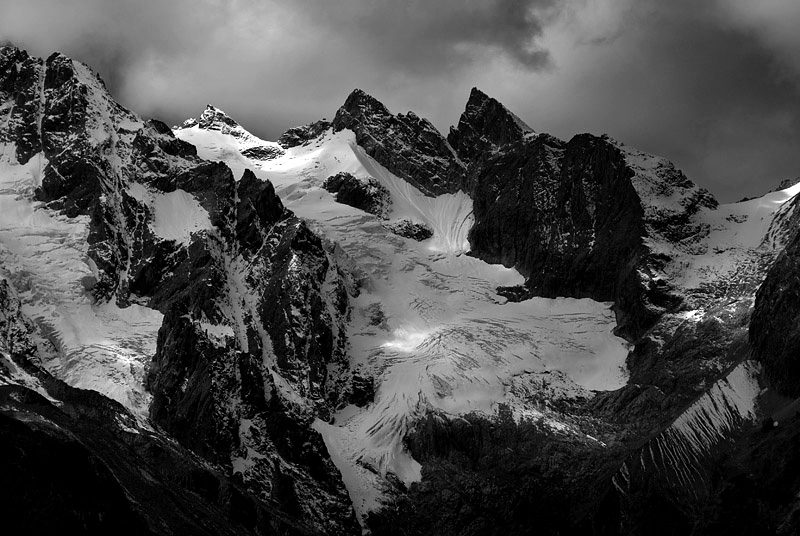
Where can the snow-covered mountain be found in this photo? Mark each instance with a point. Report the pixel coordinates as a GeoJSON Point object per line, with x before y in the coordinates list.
{"type": "Point", "coordinates": [366, 326]}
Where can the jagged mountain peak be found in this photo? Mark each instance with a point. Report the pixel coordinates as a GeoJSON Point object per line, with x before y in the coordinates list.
{"type": "Point", "coordinates": [479, 101]}
{"type": "Point", "coordinates": [11, 50]}
{"type": "Point", "coordinates": [361, 108]}
{"type": "Point", "coordinates": [55, 99]}
{"type": "Point", "coordinates": [484, 127]}
{"type": "Point", "coordinates": [406, 144]}
{"type": "Point", "coordinates": [213, 115]}
{"type": "Point", "coordinates": [215, 120]}
{"type": "Point", "coordinates": [359, 101]}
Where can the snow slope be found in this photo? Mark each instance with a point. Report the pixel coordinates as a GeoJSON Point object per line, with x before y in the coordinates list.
{"type": "Point", "coordinates": [726, 250]}
{"type": "Point", "coordinates": [176, 215]}
{"type": "Point", "coordinates": [679, 451]}
{"type": "Point", "coordinates": [44, 255]}
{"type": "Point", "coordinates": [428, 324]}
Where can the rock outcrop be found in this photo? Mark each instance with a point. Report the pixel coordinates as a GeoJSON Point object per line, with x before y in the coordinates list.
{"type": "Point", "coordinates": [302, 135]}
{"type": "Point", "coordinates": [364, 193]}
{"type": "Point", "coordinates": [410, 229]}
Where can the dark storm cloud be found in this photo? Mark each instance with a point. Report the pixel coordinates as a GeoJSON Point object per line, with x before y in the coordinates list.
{"type": "Point", "coordinates": [278, 62]}
{"type": "Point", "coordinates": [712, 85]}
{"type": "Point", "coordinates": [109, 35]}
{"type": "Point", "coordinates": [421, 36]}
{"type": "Point", "coordinates": [682, 79]}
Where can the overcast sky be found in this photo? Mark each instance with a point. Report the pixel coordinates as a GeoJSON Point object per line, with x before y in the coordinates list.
{"type": "Point", "coordinates": [714, 85]}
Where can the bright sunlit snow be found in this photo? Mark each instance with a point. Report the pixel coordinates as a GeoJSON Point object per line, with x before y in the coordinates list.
{"type": "Point", "coordinates": [44, 255]}
{"type": "Point", "coordinates": [176, 214]}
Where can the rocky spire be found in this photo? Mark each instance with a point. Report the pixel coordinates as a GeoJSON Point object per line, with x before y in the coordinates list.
{"type": "Point", "coordinates": [485, 125]}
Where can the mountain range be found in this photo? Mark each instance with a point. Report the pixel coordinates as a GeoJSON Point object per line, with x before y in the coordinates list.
{"type": "Point", "coordinates": [367, 327]}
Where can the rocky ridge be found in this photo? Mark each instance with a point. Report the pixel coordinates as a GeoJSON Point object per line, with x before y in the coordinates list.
{"type": "Point", "coordinates": [408, 145]}
{"type": "Point", "coordinates": [220, 347]}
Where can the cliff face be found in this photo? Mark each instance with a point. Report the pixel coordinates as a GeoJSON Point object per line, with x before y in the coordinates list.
{"type": "Point", "coordinates": [773, 329]}
{"type": "Point", "coordinates": [575, 218]}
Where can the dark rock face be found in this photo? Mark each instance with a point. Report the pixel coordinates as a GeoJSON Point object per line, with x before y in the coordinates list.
{"type": "Point", "coordinates": [274, 288]}
{"type": "Point", "coordinates": [303, 134]}
{"type": "Point", "coordinates": [773, 328]}
{"type": "Point", "coordinates": [409, 229]}
{"type": "Point", "coordinates": [259, 208]}
{"type": "Point", "coordinates": [80, 495]}
{"type": "Point", "coordinates": [88, 468]}
{"type": "Point", "coordinates": [496, 476]}
{"type": "Point", "coordinates": [484, 127]}
{"type": "Point", "coordinates": [407, 145]}
{"type": "Point", "coordinates": [567, 216]}
{"type": "Point", "coordinates": [366, 194]}
{"type": "Point", "coordinates": [20, 78]}
{"type": "Point", "coordinates": [262, 153]}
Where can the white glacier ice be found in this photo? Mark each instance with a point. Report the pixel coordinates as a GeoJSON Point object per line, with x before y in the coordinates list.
{"type": "Point", "coordinates": [445, 339]}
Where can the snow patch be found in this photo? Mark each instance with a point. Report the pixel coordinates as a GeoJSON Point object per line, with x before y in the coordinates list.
{"type": "Point", "coordinates": [176, 215]}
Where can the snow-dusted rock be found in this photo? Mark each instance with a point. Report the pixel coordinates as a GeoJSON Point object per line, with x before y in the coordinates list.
{"type": "Point", "coordinates": [407, 145]}
{"type": "Point", "coordinates": [365, 193]}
